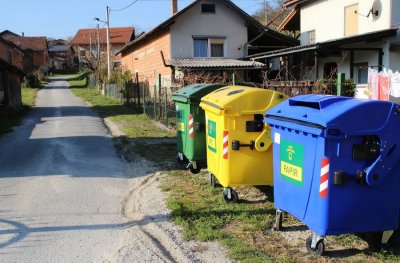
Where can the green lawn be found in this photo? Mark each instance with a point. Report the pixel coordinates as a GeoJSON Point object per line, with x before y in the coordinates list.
{"type": "Point", "coordinates": [28, 101]}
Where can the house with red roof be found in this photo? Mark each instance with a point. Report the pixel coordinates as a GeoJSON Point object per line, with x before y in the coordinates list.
{"type": "Point", "coordinates": [88, 41]}
{"type": "Point", "coordinates": [35, 47]}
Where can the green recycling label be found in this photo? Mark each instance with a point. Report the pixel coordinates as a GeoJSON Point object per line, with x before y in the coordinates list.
{"type": "Point", "coordinates": [212, 135]}
{"type": "Point", "coordinates": [292, 162]}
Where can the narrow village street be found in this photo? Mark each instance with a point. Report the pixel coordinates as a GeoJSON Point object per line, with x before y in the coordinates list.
{"type": "Point", "coordinates": [66, 196]}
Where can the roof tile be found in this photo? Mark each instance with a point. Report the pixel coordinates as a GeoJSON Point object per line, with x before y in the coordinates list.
{"type": "Point", "coordinates": [117, 35]}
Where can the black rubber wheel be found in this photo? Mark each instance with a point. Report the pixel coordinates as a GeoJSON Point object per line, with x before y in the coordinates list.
{"type": "Point", "coordinates": [194, 170]}
{"type": "Point", "coordinates": [278, 222]}
{"type": "Point", "coordinates": [318, 250]}
{"type": "Point", "coordinates": [234, 196]}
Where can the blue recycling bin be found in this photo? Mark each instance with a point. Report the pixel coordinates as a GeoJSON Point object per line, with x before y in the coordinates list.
{"type": "Point", "coordinates": [337, 165]}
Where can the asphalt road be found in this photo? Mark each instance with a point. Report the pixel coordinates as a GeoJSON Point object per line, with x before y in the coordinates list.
{"type": "Point", "coordinates": [61, 185]}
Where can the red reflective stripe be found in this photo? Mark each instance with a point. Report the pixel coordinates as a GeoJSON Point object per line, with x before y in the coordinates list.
{"type": "Point", "coordinates": [323, 182]}
{"type": "Point", "coordinates": [191, 126]}
{"type": "Point", "coordinates": [225, 145]}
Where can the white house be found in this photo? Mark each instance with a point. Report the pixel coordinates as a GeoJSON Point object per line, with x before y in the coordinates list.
{"type": "Point", "coordinates": [207, 35]}
{"type": "Point", "coordinates": [345, 36]}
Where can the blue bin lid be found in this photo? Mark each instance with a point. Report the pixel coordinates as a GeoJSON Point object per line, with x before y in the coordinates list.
{"type": "Point", "coordinates": [348, 115]}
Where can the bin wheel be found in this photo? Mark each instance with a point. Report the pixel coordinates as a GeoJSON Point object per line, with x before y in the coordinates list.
{"type": "Point", "coordinates": [278, 221]}
{"type": "Point", "coordinates": [319, 248]}
{"type": "Point", "coordinates": [212, 180]}
{"type": "Point", "coordinates": [194, 170]}
{"type": "Point", "coordinates": [234, 198]}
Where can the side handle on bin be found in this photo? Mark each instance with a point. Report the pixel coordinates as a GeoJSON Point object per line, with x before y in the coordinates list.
{"type": "Point", "coordinates": [236, 145]}
{"type": "Point", "coordinates": [264, 141]}
{"type": "Point", "coordinates": [388, 158]}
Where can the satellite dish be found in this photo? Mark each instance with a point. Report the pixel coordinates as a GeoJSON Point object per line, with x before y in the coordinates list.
{"type": "Point", "coordinates": [376, 9]}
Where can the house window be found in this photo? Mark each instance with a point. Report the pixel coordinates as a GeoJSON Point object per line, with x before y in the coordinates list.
{"type": "Point", "coordinates": [217, 47]}
{"type": "Point", "coordinates": [311, 37]}
{"type": "Point", "coordinates": [350, 20]}
{"type": "Point", "coordinates": [208, 8]}
{"type": "Point", "coordinates": [200, 47]}
{"type": "Point", "coordinates": [362, 73]}
{"type": "Point", "coordinates": [209, 47]}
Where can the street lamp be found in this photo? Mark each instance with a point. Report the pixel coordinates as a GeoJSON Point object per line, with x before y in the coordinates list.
{"type": "Point", "coordinates": [107, 22]}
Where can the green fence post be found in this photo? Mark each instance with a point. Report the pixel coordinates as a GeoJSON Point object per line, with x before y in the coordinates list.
{"type": "Point", "coordinates": [144, 97]}
{"type": "Point", "coordinates": [155, 100]}
{"type": "Point", "coordinates": [159, 96]}
{"type": "Point", "coordinates": [138, 89]}
{"type": "Point", "coordinates": [340, 84]}
{"type": "Point", "coordinates": [166, 108]}
{"type": "Point", "coordinates": [234, 79]}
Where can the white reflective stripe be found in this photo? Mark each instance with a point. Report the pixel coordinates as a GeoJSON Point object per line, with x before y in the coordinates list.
{"type": "Point", "coordinates": [323, 186]}
{"type": "Point", "coordinates": [191, 130]}
{"type": "Point", "coordinates": [225, 151]}
{"type": "Point", "coordinates": [225, 139]}
{"type": "Point", "coordinates": [190, 121]}
{"type": "Point", "coordinates": [325, 170]}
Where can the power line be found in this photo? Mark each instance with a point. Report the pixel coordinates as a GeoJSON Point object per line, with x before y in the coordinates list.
{"type": "Point", "coordinates": [117, 10]}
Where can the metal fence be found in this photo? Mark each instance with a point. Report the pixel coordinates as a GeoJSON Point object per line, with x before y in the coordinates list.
{"type": "Point", "coordinates": [156, 100]}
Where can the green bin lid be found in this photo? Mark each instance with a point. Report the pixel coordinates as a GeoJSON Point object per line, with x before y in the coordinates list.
{"type": "Point", "coordinates": [194, 92]}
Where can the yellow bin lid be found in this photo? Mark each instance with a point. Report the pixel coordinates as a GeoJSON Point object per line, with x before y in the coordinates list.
{"type": "Point", "coordinates": [238, 100]}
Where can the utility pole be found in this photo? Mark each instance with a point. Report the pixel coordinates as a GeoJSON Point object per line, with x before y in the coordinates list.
{"type": "Point", "coordinates": [90, 46]}
{"type": "Point", "coordinates": [98, 47]}
{"type": "Point", "coordinates": [108, 43]}
{"type": "Point", "coordinates": [107, 22]}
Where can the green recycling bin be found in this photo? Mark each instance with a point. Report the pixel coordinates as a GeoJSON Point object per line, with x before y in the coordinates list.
{"type": "Point", "coordinates": [191, 130]}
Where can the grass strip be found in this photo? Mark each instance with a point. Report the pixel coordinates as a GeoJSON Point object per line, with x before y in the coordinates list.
{"type": "Point", "coordinates": [28, 101]}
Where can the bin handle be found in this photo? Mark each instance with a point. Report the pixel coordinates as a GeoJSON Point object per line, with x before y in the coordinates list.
{"type": "Point", "coordinates": [264, 141]}
{"type": "Point", "coordinates": [377, 172]}
{"type": "Point", "coordinates": [389, 152]}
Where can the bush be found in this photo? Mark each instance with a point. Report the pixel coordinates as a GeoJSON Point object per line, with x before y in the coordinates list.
{"type": "Point", "coordinates": [329, 87]}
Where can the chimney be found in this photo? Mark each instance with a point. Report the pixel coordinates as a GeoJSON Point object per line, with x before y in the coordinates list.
{"type": "Point", "coordinates": [174, 6]}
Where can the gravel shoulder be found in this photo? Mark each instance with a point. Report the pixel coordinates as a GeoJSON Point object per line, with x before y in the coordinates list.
{"type": "Point", "coordinates": [153, 237]}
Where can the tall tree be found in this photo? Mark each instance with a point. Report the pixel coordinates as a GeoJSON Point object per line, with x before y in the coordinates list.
{"type": "Point", "coordinates": [270, 13]}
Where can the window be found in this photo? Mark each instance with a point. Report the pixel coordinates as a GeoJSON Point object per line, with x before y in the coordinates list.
{"type": "Point", "coordinates": [200, 48]}
{"type": "Point", "coordinates": [311, 37]}
{"type": "Point", "coordinates": [209, 47]}
{"type": "Point", "coordinates": [362, 73]}
{"type": "Point", "coordinates": [350, 20]}
{"type": "Point", "coordinates": [217, 47]}
{"type": "Point", "coordinates": [208, 8]}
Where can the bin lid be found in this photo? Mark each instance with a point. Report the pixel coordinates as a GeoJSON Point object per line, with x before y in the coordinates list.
{"type": "Point", "coordinates": [194, 92]}
{"type": "Point", "coordinates": [347, 115]}
{"type": "Point", "coordinates": [241, 100]}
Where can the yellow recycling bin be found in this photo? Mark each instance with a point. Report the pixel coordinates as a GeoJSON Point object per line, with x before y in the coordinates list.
{"type": "Point", "coordinates": [239, 150]}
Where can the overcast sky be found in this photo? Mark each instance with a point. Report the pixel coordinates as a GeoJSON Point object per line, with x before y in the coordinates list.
{"type": "Point", "coordinates": [63, 18]}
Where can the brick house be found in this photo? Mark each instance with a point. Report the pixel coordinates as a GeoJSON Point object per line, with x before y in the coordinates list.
{"type": "Point", "coordinates": [11, 53]}
{"type": "Point", "coordinates": [61, 57]}
{"type": "Point", "coordinates": [85, 43]}
{"type": "Point", "coordinates": [11, 66]}
{"type": "Point", "coordinates": [36, 48]}
{"type": "Point", "coordinates": [212, 35]}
